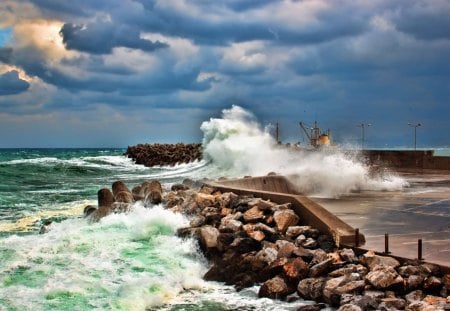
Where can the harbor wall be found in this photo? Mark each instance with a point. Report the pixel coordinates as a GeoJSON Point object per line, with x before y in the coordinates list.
{"type": "Point", "coordinates": [408, 159]}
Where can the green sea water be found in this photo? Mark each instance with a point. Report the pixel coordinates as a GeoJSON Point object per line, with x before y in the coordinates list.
{"type": "Point", "coordinates": [128, 261]}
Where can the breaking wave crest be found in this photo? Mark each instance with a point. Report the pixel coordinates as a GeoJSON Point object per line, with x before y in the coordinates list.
{"type": "Point", "coordinates": [238, 145]}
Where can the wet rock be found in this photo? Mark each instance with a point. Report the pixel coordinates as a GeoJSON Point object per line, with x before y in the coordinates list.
{"type": "Point", "coordinates": [119, 186]}
{"type": "Point", "coordinates": [313, 307]}
{"type": "Point", "coordinates": [208, 237]}
{"type": "Point", "coordinates": [414, 296]}
{"type": "Point", "coordinates": [329, 294]}
{"type": "Point", "coordinates": [371, 260]}
{"type": "Point", "coordinates": [88, 210]}
{"type": "Point", "coordinates": [413, 282]}
{"type": "Point", "coordinates": [164, 154]}
{"type": "Point", "coordinates": [105, 197]}
{"type": "Point", "coordinates": [197, 221]}
{"type": "Point", "coordinates": [382, 277]}
{"type": "Point", "coordinates": [230, 224]}
{"type": "Point", "coordinates": [253, 214]}
{"type": "Point", "coordinates": [406, 271]}
{"type": "Point", "coordinates": [351, 268]}
{"type": "Point", "coordinates": [284, 219]}
{"type": "Point", "coordinates": [294, 231]}
{"type": "Point", "coordinates": [295, 270]}
{"type": "Point", "coordinates": [392, 303]}
{"type": "Point", "coordinates": [46, 227]}
{"type": "Point", "coordinates": [123, 197]}
{"type": "Point", "coordinates": [179, 187]}
{"type": "Point", "coordinates": [286, 249]}
{"type": "Point", "coordinates": [320, 268]}
{"type": "Point", "coordinates": [267, 255]}
{"type": "Point", "coordinates": [430, 269]}
{"type": "Point", "coordinates": [152, 192]}
{"type": "Point", "coordinates": [349, 307]}
{"type": "Point", "coordinates": [309, 243]}
{"type": "Point", "coordinates": [311, 288]}
{"type": "Point", "coordinates": [348, 255]}
{"type": "Point", "coordinates": [432, 283]}
{"type": "Point", "coordinates": [275, 288]}
{"type": "Point", "coordinates": [204, 200]}
{"type": "Point", "coordinates": [262, 205]}
{"type": "Point", "coordinates": [245, 245]}
{"type": "Point", "coordinates": [363, 301]}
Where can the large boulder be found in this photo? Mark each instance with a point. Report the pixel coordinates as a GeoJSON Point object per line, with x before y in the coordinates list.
{"type": "Point", "coordinates": [284, 219]}
{"type": "Point", "coordinates": [152, 192]}
{"type": "Point", "coordinates": [275, 288]}
{"type": "Point", "coordinates": [382, 277]}
{"type": "Point", "coordinates": [311, 288]}
{"type": "Point", "coordinates": [371, 260]}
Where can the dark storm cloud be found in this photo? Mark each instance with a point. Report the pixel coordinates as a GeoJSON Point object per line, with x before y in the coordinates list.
{"type": "Point", "coordinates": [11, 84]}
{"type": "Point", "coordinates": [426, 21]}
{"type": "Point", "coordinates": [102, 37]}
{"type": "Point", "coordinates": [6, 55]}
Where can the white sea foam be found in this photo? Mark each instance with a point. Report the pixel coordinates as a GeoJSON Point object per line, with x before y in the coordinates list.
{"type": "Point", "coordinates": [126, 261]}
{"type": "Point", "coordinates": [238, 145]}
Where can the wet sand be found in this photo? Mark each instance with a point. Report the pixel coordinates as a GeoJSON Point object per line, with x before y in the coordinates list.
{"type": "Point", "coordinates": [421, 211]}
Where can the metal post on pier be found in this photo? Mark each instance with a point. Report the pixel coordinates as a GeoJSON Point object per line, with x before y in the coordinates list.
{"type": "Point", "coordinates": [356, 237]}
{"type": "Point", "coordinates": [419, 250]}
{"type": "Point", "coordinates": [386, 243]}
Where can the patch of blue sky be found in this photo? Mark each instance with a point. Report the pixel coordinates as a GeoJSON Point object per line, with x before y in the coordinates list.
{"type": "Point", "coordinates": [5, 35]}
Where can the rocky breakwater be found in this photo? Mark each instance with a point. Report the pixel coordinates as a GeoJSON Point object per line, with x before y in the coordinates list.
{"type": "Point", "coordinates": [250, 241]}
{"type": "Point", "coordinates": [164, 154]}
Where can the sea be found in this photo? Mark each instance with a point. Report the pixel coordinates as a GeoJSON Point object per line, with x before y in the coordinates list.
{"type": "Point", "coordinates": [135, 261]}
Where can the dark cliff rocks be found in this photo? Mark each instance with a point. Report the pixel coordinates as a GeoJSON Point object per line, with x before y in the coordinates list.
{"type": "Point", "coordinates": [164, 154]}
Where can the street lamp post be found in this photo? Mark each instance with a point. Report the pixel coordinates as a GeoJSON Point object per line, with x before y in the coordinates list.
{"type": "Point", "coordinates": [362, 125]}
{"type": "Point", "coordinates": [415, 126]}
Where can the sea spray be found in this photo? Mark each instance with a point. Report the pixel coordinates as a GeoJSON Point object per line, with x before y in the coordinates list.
{"type": "Point", "coordinates": [125, 262]}
{"type": "Point", "coordinates": [238, 145]}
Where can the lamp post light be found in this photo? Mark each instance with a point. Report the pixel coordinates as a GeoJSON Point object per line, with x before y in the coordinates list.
{"type": "Point", "coordinates": [362, 125]}
{"type": "Point", "coordinates": [415, 126]}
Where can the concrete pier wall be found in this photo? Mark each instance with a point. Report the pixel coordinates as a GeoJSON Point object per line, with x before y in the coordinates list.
{"type": "Point", "coordinates": [409, 159]}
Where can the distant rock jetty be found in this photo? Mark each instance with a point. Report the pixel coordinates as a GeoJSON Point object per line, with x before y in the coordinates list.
{"type": "Point", "coordinates": [251, 241]}
{"type": "Point", "coordinates": [164, 154]}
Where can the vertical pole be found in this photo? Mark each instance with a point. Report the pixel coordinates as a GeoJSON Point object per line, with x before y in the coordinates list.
{"type": "Point", "coordinates": [415, 138]}
{"type": "Point", "coordinates": [386, 243]}
{"type": "Point", "coordinates": [356, 237]}
{"type": "Point", "coordinates": [419, 250]}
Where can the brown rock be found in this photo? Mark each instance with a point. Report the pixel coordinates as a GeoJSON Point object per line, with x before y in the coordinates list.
{"type": "Point", "coordinates": [382, 277]}
{"type": "Point", "coordinates": [204, 200]}
{"type": "Point", "coordinates": [105, 197]}
{"type": "Point", "coordinates": [208, 236]}
{"type": "Point", "coordinates": [349, 307]}
{"type": "Point", "coordinates": [152, 192]}
{"type": "Point", "coordinates": [371, 260]}
{"type": "Point", "coordinates": [311, 288]}
{"type": "Point", "coordinates": [295, 270]}
{"type": "Point", "coordinates": [392, 303]}
{"type": "Point", "coordinates": [119, 186]}
{"type": "Point", "coordinates": [284, 219]}
{"type": "Point", "coordinates": [253, 214]}
{"type": "Point", "coordinates": [124, 197]}
{"type": "Point", "coordinates": [275, 288]}
{"type": "Point", "coordinates": [320, 268]}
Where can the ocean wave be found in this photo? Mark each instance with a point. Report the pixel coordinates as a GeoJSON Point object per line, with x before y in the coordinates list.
{"type": "Point", "coordinates": [126, 261]}
{"type": "Point", "coordinates": [238, 145]}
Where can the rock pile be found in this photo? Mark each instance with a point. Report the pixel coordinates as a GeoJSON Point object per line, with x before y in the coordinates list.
{"type": "Point", "coordinates": [164, 154]}
{"type": "Point", "coordinates": [253, 241]}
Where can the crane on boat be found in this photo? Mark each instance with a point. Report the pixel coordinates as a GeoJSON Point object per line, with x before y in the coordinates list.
{"type": "Point", "coordinates": [315, 137]}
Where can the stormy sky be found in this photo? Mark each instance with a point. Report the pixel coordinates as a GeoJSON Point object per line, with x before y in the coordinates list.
{"type": "Point", "coordinates": [112, 73]}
